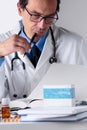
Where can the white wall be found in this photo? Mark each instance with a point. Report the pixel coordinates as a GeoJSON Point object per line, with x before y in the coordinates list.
{"type": "Point", "coordinates": [8, 14]}
{"type": "Point", "coordinates": [72, 15]}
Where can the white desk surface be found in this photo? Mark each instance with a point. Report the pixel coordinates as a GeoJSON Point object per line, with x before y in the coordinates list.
{"type": "Point", "coordinates": [82, 125]}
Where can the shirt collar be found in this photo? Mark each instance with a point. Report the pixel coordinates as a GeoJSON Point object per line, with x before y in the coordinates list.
{"type": "Point", "coordinates": [41, 41]}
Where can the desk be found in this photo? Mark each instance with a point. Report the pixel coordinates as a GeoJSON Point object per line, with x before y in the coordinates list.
{"type": "Point", "coordinates": [82, 125]}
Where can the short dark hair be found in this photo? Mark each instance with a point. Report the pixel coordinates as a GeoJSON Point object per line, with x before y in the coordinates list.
{"type": "Point", "coordinates": [23, 3]}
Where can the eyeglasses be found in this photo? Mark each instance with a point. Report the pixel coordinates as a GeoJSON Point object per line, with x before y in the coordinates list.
{"type": "Point", "coordinates": [37, 18]}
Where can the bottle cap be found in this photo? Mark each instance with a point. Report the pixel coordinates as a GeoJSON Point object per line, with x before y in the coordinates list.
{"type": "Point", "coordinates": [5, 101]}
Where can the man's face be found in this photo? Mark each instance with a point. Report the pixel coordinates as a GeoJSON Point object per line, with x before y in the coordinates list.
{"type": "Point", "coordinates": [41, 8]}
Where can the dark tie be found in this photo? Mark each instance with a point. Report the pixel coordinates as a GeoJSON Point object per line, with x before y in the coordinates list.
{"type": "Point", "coordinates": [34, 55]}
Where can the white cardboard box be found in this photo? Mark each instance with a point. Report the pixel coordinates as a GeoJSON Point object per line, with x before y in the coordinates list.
{"type": "Point", "coordinates": [59, 95]}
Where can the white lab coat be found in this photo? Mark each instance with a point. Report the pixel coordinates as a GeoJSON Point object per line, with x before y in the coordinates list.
{"type": "Point", "coordinates": [70, 49]}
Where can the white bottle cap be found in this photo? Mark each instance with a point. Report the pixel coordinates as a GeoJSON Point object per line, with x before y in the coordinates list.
{"type": "Point", "coordinates": [5, 101]}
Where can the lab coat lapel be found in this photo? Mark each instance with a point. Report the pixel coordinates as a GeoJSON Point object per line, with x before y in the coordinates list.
{"type": "Point", "coordinates": [43, 63]}
{"type": "Point", "coordinates": [46, 53]}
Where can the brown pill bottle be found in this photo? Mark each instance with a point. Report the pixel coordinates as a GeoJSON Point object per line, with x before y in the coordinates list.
{"type": "Point", "coordinates": [5, 108]}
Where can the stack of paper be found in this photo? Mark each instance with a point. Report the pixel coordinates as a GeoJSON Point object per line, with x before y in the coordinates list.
{"type": "Point", "coordinates": [34, 110]}
{"type": "Point", "coordinates": [43, 118]}
{"type": "Point", "coordinates": [53, 114]}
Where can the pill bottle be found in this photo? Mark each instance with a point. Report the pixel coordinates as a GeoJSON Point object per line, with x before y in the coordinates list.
{"type": "Point", "coordinates": [5, 108]}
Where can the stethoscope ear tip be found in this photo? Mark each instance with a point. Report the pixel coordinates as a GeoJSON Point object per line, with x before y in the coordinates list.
{"type": "Point", "coordinates": [52, 60]}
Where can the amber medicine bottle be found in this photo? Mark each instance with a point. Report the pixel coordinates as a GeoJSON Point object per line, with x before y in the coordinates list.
{"type": "Point", "coordinates": [5, 108]}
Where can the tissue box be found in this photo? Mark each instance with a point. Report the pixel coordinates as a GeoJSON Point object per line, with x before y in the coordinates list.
{"type": "Point", "coordinates": [59, 95]}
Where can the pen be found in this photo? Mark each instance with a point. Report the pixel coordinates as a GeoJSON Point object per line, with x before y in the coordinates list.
{"type": "Point", "coordinates": [32, 39]}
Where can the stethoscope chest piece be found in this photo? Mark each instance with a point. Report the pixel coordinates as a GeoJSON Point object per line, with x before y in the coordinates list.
{"type": "Point", "coordinates": [52, 60]}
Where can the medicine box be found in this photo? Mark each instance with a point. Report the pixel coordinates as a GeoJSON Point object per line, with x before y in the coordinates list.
{"type": "Point", "coordinates": [59, 95]}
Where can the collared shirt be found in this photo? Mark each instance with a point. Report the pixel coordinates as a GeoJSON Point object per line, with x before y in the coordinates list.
{"type": "Point", "coordinates": [39, 44]}
{"type": "Point", "coordinates": [1, 60]}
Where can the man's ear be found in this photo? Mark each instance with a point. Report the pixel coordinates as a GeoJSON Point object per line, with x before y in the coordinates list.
{"type": "Point", "coordinates": [20, 9]}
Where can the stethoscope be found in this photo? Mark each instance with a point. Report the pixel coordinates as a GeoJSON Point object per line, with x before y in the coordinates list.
{"type": "Point", "coordinates": [52, 59]}
{"type": "Point", "coordinates": [12, 68]}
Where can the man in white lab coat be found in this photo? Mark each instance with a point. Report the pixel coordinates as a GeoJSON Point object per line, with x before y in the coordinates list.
{"type": "Point", "coordinates": [20, 76]}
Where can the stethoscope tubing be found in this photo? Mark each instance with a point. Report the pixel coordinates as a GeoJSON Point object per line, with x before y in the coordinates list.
{"type": "Point", "coordinates": [53, 59]}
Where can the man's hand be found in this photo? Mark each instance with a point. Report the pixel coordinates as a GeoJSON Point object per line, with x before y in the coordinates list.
{"type": "Point", "coordinates": [14, 44]}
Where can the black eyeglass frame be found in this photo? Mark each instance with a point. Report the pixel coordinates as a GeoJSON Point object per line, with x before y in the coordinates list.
{"type": "Point", "coordinates": [48, 19]}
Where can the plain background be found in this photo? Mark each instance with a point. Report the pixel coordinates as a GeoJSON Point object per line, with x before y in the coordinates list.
{"type": "Point", "coordinates": [72, 15]}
